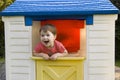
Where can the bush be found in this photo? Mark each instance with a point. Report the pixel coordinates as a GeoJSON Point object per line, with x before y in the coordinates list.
{"type": "Point", "coordinates": [117, 38]}
{"type": "Point", "coordinates": [2, 46]}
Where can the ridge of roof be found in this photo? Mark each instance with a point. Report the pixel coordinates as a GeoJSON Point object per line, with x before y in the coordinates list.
{"type": "Point", "coordinates": [59, 7]}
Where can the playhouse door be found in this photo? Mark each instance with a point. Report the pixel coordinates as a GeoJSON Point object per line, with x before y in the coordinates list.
{"type": "Point", "coordinates": [61, 69]}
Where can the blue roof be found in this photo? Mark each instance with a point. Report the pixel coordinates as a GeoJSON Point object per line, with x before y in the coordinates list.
{"type": "Point", "coordinates": [59, 7]}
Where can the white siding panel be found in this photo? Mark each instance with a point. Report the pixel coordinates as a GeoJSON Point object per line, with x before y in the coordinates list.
{"type": "Point", "coordinates": [100, 27]}
{"type": "Point", "coordinates": [99, 77]}
{"type": "Point", "coordinates": [102, 70]}
{"type": "Point", "coordinates": [98, 34]}
{"type": "Point", "coordinates": [20, 55]}
{"type": "Point", "coordinates": [19, 27]}
{"type": "Point", "coordinates": [16, 24]}
{"type": "Point", "coordinates": [100, 48]}
{"type": "Point", "coordinates": [18, 49]}
{"type": "Point", "coordinates": [20, 70]}
{"type": "Point", "coordinates": [19, 41]}
{"type": "Point", "coordinates": [19, 34]}
{"type": "Point", "coordinates": [24, 49]}
{"type": "Point", "coordinates": [99, 56]}
{"type": "Point", "coordinates": [105, 17]}
{"type": "Point", "coordinates": [99, 41]}
{"type": "Point", "coordinates": [20, 62]}
{"type": "Point", "coordinates": [20, 76]}
{"type": "Point", "coordinates": [99, 63]}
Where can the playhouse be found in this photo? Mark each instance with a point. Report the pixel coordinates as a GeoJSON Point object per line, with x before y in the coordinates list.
{"type": "Point", "coordinates": [86, 27]}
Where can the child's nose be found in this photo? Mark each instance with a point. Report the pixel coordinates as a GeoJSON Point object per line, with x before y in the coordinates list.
{"type": "Point", "coordinates": [45, 37]}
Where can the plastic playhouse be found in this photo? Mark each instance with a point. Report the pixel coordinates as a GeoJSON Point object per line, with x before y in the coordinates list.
{"type": "Point", "coordinates": [84, 26]}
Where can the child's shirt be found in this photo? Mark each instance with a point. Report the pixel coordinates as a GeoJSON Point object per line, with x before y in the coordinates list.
{"type": "Point", "coordinates": [57, 48]}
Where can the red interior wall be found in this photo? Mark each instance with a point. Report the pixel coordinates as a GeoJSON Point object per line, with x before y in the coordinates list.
{"type": "Point", "coordinates": [68, 32]}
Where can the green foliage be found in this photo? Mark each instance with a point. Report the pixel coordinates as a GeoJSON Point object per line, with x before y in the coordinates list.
{"type": "Point", "coordinates": [116, 3]}
{"type": "Point", "coordinates": [1, 3]}
{"type": "Point", "coordinates": [2, 60]}
{"type": "Point", "coordinates": [117, 38]}
{"type": "Point", "coordinates": [5, 3]}
{"type": "Point", "coordinates": [9, 2]}
{"type": "Point", "coordinates": [2, 48]}
{"type": "Point", "coordinates": [117, 62]}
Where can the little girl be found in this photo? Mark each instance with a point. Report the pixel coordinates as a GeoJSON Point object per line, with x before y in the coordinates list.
{"type": "Point", "coordinates": [48, 47]}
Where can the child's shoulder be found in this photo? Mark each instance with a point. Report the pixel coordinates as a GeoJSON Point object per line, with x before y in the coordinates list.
{"type": "Point", "coordinates": [58, 43]}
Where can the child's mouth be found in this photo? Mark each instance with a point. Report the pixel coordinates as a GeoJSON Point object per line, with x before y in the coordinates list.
{"type": "Point", "coordinates": [46, 42]}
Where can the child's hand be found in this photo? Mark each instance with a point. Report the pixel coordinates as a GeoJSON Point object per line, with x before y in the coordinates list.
{"type": "Point", "coordinates": [55, 56]}
{"type": "Point", "coordinates": [45, 56]}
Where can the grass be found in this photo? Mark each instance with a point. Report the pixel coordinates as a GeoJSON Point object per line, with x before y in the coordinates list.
{"type": "Point", "coordinates": [2, 60]}
{"type": "Point", "coordinates": [117, 62]}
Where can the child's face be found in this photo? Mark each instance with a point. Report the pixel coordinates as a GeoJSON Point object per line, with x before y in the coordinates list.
{"type": "Point", "coordinates": [47, 38]}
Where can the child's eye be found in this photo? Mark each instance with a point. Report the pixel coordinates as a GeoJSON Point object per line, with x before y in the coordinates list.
{"type": "Point", "coordinates": [48, 35]}
{"type": "Point", "coordinates": [42, 35]}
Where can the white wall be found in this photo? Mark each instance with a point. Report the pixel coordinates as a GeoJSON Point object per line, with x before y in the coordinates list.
{"type": "Point", "coordinates": [100, 48]}
{"type": "Point", "coordinates": [19, 66]}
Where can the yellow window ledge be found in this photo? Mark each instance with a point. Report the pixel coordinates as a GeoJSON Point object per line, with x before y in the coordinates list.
{"type": "Point", "coordinates": [61, 58]}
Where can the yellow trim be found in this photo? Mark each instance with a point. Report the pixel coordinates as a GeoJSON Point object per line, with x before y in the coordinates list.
{"type": "Point", "coordinates": [61, 58]}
